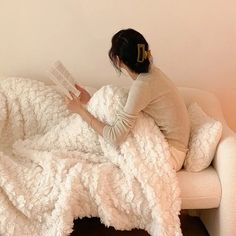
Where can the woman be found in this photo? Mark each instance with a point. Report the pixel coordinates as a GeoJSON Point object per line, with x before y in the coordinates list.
{"type": "Point", "coordinates": [151, 92]}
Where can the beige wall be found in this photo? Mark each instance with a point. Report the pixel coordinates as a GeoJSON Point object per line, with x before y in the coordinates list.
{"type": "Point", "coordinates": [194, 42]}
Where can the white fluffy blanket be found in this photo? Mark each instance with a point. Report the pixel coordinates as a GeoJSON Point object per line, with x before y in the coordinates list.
{"type": "Point", "coordinates": [54, 168]}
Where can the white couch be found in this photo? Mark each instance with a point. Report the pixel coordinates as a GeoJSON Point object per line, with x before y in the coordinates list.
{"type": "Point", "coordinates": [213, 190]}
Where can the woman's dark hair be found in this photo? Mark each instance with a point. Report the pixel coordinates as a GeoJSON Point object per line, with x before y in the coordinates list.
{"type": "Point", "coordinates": [131, 48]}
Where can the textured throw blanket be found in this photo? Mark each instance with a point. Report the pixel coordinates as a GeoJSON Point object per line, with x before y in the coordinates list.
{"type": "Point", "coordinates": [55, 168]}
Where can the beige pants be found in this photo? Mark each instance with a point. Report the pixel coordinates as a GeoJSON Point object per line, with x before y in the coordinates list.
{"type": "Point", "coordinates": [177, 158]}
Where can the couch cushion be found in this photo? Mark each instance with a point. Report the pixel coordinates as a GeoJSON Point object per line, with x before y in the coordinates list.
{"type": "Point", "coordinates": [199, 190]}
{"type": "Point", "coordinates": [204, 137]}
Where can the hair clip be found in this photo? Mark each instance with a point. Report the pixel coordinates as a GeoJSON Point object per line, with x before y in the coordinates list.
{"type": "Point", "coordinates": [141, 51]}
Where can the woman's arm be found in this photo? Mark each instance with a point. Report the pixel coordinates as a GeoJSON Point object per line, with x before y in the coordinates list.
{"type": "Point", "coordinates": [114, 134]}
{"type": "Point", "coordinates": [138, 99]}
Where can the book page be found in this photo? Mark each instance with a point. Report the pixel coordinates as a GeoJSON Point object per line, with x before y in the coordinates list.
{"type": "Point", "coordinates": [62, 69]}
{"type": "Point", "coordinates": [63, 79]}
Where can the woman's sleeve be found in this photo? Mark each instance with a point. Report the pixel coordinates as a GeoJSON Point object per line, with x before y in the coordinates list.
{"type": "Point", "coordinates": [138, 99]}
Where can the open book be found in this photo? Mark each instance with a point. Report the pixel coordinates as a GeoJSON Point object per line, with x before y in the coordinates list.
{"type": "Point", "coordinates": [59, 75]}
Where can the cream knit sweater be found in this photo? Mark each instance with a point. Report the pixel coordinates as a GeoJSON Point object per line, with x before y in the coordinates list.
{"type": "Point", "coordinates": [157, 96]}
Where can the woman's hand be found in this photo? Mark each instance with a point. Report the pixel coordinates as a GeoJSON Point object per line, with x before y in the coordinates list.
{"type": "Point", "coordinates": [75, 104]}
{"type": "Point", "coordinates": [84, 96]}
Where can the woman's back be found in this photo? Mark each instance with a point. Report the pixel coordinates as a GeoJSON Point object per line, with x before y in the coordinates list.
{"type": "Point", "coordinates": [157, 96]}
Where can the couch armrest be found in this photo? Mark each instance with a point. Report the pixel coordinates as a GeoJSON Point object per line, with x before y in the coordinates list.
{"type": "Point", "coordinates": [221, 221]}
{"type": "Point", "coordinates": [225, 157]}
{"type": "Point", "coordinates": [225, 165]}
